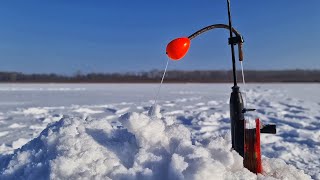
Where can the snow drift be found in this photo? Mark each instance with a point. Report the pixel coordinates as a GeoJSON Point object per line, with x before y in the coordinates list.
{"type": "Point", "coordinates": [136, 146]}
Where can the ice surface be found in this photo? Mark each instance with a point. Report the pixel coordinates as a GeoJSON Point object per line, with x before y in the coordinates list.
{"type": "Point", "coordinates": [102, 131]}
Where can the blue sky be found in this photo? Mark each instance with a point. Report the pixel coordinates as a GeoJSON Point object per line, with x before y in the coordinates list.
{"type": "Point", "coordinates": [65, 36]}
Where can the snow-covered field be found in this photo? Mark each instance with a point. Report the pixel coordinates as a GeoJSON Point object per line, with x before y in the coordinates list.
{"type": "Point", "coordinates": [102, 131]}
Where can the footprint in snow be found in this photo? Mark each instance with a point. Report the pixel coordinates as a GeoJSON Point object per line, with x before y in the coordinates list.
{"type": "Point", "coordinates": [112, 110]}
{"type": "Point", "coordinates": [118, 111]}
{"type": "Point", "coordinates": [293, 106]}
{"type": "Point", "coordinates": [123, 110]}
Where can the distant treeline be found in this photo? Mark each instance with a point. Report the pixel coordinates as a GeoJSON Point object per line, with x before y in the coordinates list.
{"type": "Point", "coordinates": [174, 76]}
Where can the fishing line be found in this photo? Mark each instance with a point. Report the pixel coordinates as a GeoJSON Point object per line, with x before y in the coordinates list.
{"type": "Point", "coordinates": [243, 81]}
{"type": "Point", "coordinates": [160, 85]}
{"type": "Point", "coordinates": [250, 123]}
{"type": "Point", "coordinates": [244, 84]}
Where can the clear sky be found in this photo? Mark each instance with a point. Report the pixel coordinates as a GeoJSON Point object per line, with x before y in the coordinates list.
{"type": "Point", "coordinates": [65, 36]}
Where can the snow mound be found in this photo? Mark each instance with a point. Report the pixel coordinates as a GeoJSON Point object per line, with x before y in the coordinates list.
{"type": "Point", "coordinates": [140, 148]}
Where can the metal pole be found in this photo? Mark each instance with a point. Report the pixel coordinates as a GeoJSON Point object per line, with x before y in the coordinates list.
{"type": "Point", "coordinates": [232, 47]}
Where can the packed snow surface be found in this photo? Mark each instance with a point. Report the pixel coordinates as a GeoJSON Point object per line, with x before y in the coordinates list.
{"type": "Point", "coordinates": [95, 131]}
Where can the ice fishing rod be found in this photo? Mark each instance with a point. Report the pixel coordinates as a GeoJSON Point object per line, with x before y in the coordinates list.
{"type": "Point", "coordinates": [245, 142]}
{"type": "Point", "coordinates": [236, 100]}
{"type": "Point", "coordinates": [178, 48]}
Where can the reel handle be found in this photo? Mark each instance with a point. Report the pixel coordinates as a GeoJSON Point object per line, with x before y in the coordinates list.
{"type": "Point", "coordinates": [240, 51]}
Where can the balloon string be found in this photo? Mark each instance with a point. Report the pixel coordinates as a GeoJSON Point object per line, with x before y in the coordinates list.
{"type": "Point", "coordinates": [163, 75]}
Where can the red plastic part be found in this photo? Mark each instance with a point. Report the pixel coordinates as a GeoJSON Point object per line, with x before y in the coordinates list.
{"type": "Point", "coordinates": [257, 147]}
{"type": "Point", "coordinates": [178, 48]}
{"type": "Point", "coordinates": [252, 151]}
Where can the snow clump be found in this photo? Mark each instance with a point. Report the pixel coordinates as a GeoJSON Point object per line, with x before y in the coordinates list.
{"type": "Point", "coordinates": [141, 148]}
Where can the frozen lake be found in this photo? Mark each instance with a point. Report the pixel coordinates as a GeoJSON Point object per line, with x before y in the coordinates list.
{"type": "Point", "coordinates": [26, 110]}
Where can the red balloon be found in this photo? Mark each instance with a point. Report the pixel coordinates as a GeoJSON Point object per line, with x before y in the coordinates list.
{"type": "Point", "coordinates": [178, 48]}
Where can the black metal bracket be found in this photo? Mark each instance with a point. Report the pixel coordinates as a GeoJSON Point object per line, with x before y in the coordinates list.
{"type": "Point", "coordinates": [269, 129]}
{"type": "Point", "coordinates": [235, 40]}
{"type": "Point", "coordinates": [245, 110]}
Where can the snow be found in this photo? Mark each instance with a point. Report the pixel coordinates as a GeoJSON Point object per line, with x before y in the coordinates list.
{"type": "Point", "coordinates": [35, 111]}
{"type": "Point", "coordinates": [16, 126]}
{"type": "Point", "coordinates": [99, 136]}
{"type": "Point", "coordinates": [4, 133]}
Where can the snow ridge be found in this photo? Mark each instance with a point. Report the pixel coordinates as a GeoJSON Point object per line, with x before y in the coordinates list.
{"type": "Point", "coordinates": [138, 147]}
